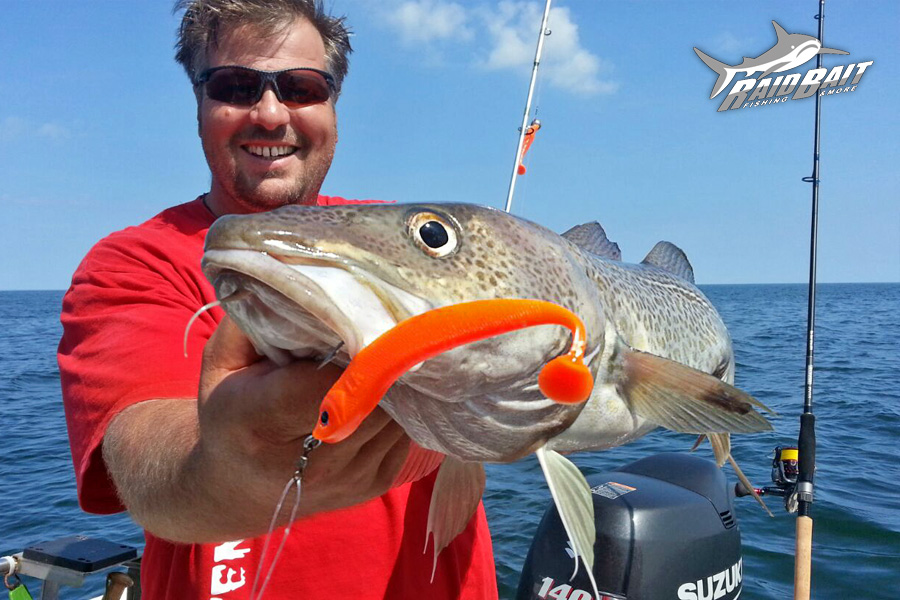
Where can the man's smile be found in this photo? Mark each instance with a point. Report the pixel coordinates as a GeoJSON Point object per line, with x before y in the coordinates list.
{"type": "Point", "coordinates": [269, 151]}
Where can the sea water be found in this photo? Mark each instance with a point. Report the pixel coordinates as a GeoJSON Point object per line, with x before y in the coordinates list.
{"type": "Point", "coordinates": [856, 514]}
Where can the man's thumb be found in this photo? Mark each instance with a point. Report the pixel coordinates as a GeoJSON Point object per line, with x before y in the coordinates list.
{"type": "Point", "coordinates": [229, 349]}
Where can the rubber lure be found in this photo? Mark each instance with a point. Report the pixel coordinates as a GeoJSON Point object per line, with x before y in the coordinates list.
{"type": "Point", "coordinates": [526, 143]}
{"type": "Point", "coordinates": [376, 367]}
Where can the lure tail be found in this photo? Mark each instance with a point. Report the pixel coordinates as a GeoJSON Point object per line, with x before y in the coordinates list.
{"type": "Point", "coordinates": [376, 367]}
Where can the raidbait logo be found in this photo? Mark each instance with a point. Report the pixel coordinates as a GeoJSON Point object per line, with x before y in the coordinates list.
{"type": "Point", "coordinates": [790, 51]}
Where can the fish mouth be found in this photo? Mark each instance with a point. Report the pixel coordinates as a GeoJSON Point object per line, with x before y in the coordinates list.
{"type": "Point", "coordinates": [301, 306]}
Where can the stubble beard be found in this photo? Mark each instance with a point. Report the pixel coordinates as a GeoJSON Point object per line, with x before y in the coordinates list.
{"type": "Point", "coordinates": [251, 191]}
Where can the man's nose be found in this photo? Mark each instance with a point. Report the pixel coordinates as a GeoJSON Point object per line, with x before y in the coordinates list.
{"type": "Point", "coordinates": [269, 112]}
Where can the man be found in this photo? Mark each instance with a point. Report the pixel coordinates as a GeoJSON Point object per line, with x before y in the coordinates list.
{"type": "Point", "coordinates": [202, 471]}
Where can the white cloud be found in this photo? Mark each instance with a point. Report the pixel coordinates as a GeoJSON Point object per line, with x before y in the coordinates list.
{"type": "Point", "coordinates": [508, 34]}
{"type": "Point", "coordinates": [52, 131]}
{"type": "Point", "coordinates": [15, 129]}
{"type": "Point", "coordinates": [571, 66]}
{"type": "Point", "coordinates": [512, 27]}
{"type": "Point", "coordinates": [12, 128]}
{"type": "Point", "coordinates": [566, 64]}
{"type": "Point", "coordinates": [729, 45]}
{"type": "Point", "coordinates": [423, 21]}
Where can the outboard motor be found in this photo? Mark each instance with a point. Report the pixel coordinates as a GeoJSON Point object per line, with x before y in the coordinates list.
{"type": "Point", "coordinates": [665, 529]}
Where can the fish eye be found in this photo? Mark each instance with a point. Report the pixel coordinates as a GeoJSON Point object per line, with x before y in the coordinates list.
{"type": "Point", "coordinates": [433, 233]}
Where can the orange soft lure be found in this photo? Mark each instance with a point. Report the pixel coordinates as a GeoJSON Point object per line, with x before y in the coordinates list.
{"type": "Point", "coordinates": [526, 143]}
{"type": "Point", "coordinates": [367, 378]}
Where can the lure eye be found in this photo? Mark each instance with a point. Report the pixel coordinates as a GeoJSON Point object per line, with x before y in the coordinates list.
{"type": "Point", "coordinates": [433, 233]}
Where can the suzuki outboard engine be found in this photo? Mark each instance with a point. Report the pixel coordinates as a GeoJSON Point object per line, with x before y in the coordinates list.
{"type": "Point", "coordinates": [665, 529]}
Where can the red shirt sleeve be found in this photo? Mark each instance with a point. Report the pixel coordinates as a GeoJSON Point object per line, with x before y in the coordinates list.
{"type": "Point", "coordinates": [123, 323]}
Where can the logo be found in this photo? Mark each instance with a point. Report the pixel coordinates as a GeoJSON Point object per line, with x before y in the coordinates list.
{"type": "Point", "coordinates": [790, 51]}
{"type": "Point", "coordinates": [715, 586]}
{"type": "Point", "coordinates": [563, 591]}
{"type": "Point", "coordinates": [612, 490]}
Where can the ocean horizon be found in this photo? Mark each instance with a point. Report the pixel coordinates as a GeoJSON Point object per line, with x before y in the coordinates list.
{"type": "Point", "coordinates": [856, 513]}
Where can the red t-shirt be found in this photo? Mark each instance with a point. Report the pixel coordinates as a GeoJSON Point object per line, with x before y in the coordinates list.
{"type": "Point", "coordinates": [123, 320]}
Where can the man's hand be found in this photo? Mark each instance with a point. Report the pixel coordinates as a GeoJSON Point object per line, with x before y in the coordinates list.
{"type": "Point", "coordinates": [270, 411]}
{"type": "Point", "coordinates": [213, 469]}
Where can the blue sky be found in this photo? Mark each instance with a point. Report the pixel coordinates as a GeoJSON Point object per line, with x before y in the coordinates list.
{"type": "Point", "coordinates": [98, 130]}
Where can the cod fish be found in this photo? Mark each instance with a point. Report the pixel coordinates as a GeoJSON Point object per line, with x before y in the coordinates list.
{"type": "Point", "coordinates": [324, 282]}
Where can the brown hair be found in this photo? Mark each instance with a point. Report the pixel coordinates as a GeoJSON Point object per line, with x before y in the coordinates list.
{"type": "Point", "coordinates": [205, 20]}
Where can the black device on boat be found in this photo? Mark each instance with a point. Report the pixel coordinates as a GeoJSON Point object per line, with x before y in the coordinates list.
{"type": "Point", "coordinates": [665, 529]}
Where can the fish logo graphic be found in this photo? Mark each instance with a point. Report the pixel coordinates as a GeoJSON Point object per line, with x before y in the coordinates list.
{"type": "Point", "coordinates": [790, 51]}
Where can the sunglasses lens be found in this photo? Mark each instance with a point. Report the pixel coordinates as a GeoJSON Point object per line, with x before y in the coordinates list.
{"type": "Point", "coordinates": [234, 86]}
{"type": "Point", "coordinates": [303, 87]}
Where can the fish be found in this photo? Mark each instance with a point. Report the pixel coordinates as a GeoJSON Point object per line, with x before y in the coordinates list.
{"type": "Point", "coordinates": [790, 50]}
{"type": "Point", "coordinates": [307, 282]}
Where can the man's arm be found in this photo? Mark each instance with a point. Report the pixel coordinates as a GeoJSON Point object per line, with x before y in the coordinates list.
{"type": "Point", "coordinates": [212, 469]}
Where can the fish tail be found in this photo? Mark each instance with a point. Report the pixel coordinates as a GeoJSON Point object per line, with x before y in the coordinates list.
{"type": "Point", "coordinates": [725, 74]}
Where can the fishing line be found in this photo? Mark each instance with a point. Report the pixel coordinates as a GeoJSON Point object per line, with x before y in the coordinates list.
{"type": "Point", "coordinates": [295, 481]}
{"type": "Point", "coordinates": [330, 356]}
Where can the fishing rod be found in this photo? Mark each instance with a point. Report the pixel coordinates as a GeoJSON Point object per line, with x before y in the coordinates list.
{"type": "Point", "coordinates": [793, 468]}
{"type": "Point", "coordinates": [806, 442]}
{"type": "Point", "coordinates": [524, 129]}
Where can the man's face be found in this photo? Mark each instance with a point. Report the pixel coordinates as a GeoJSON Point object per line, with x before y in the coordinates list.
{"type": "Point", "coordinates": [237, 138]}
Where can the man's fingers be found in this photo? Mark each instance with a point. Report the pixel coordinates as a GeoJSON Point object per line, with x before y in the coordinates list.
{"type": "Point", "coordinates": [229, 349]}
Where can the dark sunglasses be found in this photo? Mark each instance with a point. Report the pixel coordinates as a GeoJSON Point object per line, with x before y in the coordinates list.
{"type": "Point", "coordinates": [243, 86]}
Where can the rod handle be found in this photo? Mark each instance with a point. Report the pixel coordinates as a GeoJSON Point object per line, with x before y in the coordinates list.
{"type": "Point", "coordinates": [803, 558]}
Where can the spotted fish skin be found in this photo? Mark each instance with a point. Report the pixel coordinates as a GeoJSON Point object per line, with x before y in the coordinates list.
{"type": "Point", "coordinates": [478, 402]}
{"type": "Point", "coordinates": [654, 311]}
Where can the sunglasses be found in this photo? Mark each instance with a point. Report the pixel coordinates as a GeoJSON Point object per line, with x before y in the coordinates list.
{"type": "Point", "coordinates": [243, 86]}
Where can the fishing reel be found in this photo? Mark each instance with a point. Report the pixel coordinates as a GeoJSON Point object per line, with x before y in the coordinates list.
{"type": "Point", "coordinates": [785, 471]}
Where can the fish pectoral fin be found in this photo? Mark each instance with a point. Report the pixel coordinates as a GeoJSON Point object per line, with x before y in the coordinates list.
{"type": "Point", "coordinates": [572, 497]}
{"type": "Point", "coordinates": [457, 491]}
{"type": "Point", "coordinates": [683, 399]}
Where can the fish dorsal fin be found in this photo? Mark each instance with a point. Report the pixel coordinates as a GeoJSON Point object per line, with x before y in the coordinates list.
{"type": "Point", "coordinates": [779, 30]}
{"type": "Point", "coordinates": [591, 237]}
{"type": "Point", "coordinates": [575, 505]}
{"type": "Point", "coordinates": [457, 492]}
{"type": "Point", "coordinates": [671, 258]}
